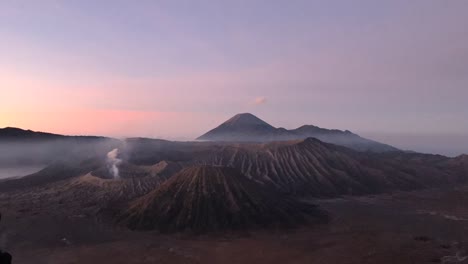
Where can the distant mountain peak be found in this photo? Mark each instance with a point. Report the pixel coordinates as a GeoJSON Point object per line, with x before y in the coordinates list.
{"type": "Point", "coordinates": [245, 119]}
{"type": "Point", "coordinates": [241, 127]}
{"type": "Point", "coordinates": [246, 127]}
{"type": "Point", "coordinates": [307, 126]}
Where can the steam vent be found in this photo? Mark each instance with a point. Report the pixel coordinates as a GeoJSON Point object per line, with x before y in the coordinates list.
{"type": "Point", "coordinates": [210, 198]}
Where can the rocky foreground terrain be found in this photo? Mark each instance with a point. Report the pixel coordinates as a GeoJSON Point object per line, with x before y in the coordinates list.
{"type": "Point", "coordinates": [431, 226]}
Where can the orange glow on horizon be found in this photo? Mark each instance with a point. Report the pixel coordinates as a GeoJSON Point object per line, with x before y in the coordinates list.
{"type": "Point", "coordinates": [116, 123]}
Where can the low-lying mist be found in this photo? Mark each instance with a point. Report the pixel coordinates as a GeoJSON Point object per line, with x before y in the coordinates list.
{"type": "Point", "coordinates": [446, 144]}
{"type": "Point", "coordinates": [20, 158]}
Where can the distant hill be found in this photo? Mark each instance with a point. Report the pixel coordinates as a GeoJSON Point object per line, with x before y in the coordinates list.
{"type": "Point", "coordinates": [249, 128]}
{"type": "Point", "coordinates": [13, 133]}
{"type": "Point", "coordinates": [22, 147]}
{"type": "Point", "coordinates": [208, 198]}
{"type": "Point", "coordinates": [18, 134]}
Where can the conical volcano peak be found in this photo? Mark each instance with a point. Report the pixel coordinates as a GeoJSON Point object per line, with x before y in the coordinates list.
{"type": "Point", "coordinates": [241, 127]}
{"type": "Point", "coordinates": [214, 198]}
{"type": "Point", "coordinates": [245, 119]}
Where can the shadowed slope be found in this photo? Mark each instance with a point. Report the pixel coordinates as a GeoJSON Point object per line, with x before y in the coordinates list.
{"type": "Point", "coordinates": [85, 196]}
{"type": "Point", "coordinates": [92, 188]}
{"type": "Point", "coordinates": [310, 167]}
{"type": "Point", "coordinates": [207, 198]}
{"type": "Point", "coordinates": [162, 169]}
{"type": "Point", "coordinates": [315, 168]}
{"type": "Point", "coordinates": [53, 173]}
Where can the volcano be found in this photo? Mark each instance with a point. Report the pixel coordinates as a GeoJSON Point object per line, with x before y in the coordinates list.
{"type": "Point", "coordinates": [249, 128]}
{"type": "Point", "coordinates": [242, 127]}
{"type": "Point", "coordinates": [210, 198]}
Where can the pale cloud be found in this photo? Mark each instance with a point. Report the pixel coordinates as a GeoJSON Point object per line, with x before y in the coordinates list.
{"type": "Point", "coordinates": [259, 100]}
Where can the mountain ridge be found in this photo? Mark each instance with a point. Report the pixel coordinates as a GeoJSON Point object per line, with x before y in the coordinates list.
{"type": "Point", "coordinates": [310, 167]}
{"type": "Point", "coordinates": [247, 127]}
{"type": "Point", "coordinates": [15, 133]}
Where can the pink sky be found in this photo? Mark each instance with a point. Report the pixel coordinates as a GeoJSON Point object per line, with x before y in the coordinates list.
{"type": "Point", "coordinates": [174, 69]}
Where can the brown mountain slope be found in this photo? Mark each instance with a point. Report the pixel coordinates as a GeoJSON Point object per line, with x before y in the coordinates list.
{"type": "Point", "coordinates": [320, 169]}
{"type": "Point", "coordinates": [115, 190]}
{"type": "Point", "coordinates": [309, 167]}
{"type": "Point", "coordinates": [53, 173]}
{"type": "Point", "coordinates": [207, 198]}
{"type": "Point", "coordinates": [163, 169]}
{"type": "Point", "coordinates": [79, 197]}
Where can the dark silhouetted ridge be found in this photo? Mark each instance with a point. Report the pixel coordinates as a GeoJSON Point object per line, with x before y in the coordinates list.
{"type": "Point", "coordinates": [18, 134]}
{"type": "Point", "coordinates": [12, 133]}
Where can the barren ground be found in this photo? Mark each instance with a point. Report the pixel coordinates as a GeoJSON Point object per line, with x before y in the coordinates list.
{"type": "Point", "coordinates": [428, 226]}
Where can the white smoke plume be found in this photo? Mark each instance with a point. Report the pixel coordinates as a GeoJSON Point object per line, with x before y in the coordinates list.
{"type": "Point", "coordinates": [113, 163]}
